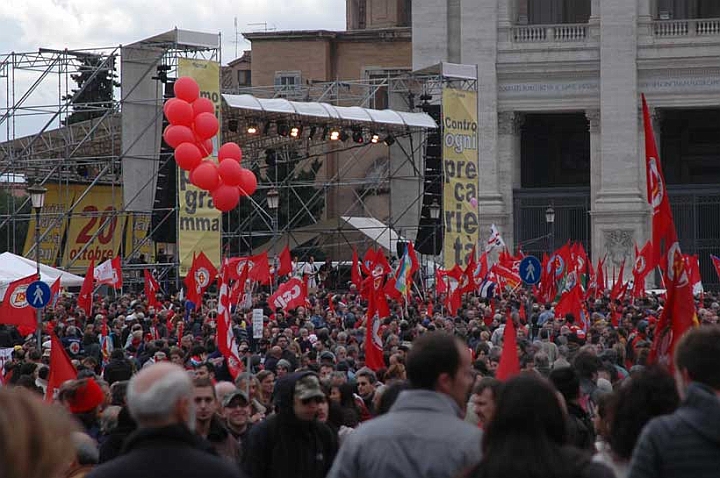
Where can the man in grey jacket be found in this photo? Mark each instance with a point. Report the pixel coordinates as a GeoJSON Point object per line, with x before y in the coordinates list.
{"type": "Point", "coordinates": [687, 443]}
{"type": "Point", "coordinates": [423, 435]}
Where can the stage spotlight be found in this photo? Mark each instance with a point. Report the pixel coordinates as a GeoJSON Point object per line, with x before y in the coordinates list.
{"type": "Point", "coordinates": [334, 135]}
{"type": "Point", "coordinates": [252, 128]}
{"type": "Point", "coordinates": [357, 136]}
{"type": "Point", "coordinates": [344, 136]}
{"type": "Point", "coordinates": [283, 129]}
{"type": "Point", "coordinates": [374, 137]}
{"type": "Point", "coordinates": [389, 140]}
{"type": "Point", "coordinates": [296, 131]}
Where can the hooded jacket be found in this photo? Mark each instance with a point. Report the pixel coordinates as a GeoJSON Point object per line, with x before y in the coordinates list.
{"type": "Point", "coordinates": [684, 444]}
{"type": "Point", "coordinates": [283, 446]}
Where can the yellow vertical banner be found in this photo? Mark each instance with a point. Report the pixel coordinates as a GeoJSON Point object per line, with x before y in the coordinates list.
{"type": "Point", "coordinates": [199, 223]}
{"type": "Point", "coordinates": [460, 175]}
{"type": "Point", "coordinates": [57, 202]}
{"type": "Point", "coordinates": [95, 229]}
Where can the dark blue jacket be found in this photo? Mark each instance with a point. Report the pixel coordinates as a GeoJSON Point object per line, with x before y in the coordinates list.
{"type": "Point", "coordinates": [685, 444]}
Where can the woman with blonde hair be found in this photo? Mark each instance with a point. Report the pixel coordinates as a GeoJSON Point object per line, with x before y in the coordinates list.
{"type": "Point", "coordinates": [35, 438]}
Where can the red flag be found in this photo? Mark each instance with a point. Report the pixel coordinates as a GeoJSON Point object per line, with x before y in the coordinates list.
{"type": "Point", "coordinates": [15, 309]}
{"type": "Point", "coordinates": [377, 311]}
{"type": "Point", "coordinates": [289, 295]}
{"type": "Point", "coordinates": [356, 274]}
{"type": "Point", "coordinates": [285, 266]}
{"type": "Point", "coordinates": [84, 300]}
{"type": "Point", "coordinates": [601, 282]}
{"type": "Point", "coordinates": [716, 263]}
{"type": "Point", "coordinates": [225, 335]}
{"type": "Point", "coordinates": [151, 289]}
{"type": "Point", "coordinates": [368, 260]}
{"type": "Point", "coordinates": [644, 263]}
{"type": "Point", "coordinates": [55, 292]}
{"type": "Point", "coordinates": [259, 268]}
{"type": "Point", "coordinates": [482, 267]}
{"type": "Point", "coordinates": [618, 286]}
{"type": "Point", "coordinates": [61, 367]}
{"type": "Point", "coordinates": [571, 302]}
{"type": "Point", "coordinates": [663, 228]}
{"type": "Point", "coordinates": [109, 273]}
{"type": "Point", "coordinates": [414, 259]}
{"type": "Point", "coordinates": [693, 269]}
{"type": "Point", "coordinates": [509, 365]}
{"type": "Point", "coordinates": [391, 291]}
{"type": "Point", "coordinates": [678, 315]}
{"type": "Point", "coordinates": [202, 273]}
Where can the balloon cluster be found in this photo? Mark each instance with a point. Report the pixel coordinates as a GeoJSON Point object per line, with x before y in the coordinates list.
{"type": "Point", "coordinates": [193, 124]}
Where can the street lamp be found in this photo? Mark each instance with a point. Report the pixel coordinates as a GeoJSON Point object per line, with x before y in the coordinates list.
{"type": "Point", "coordinates": [37, 197]}
{"type": "Point", "coordinates": [434, 209]}
{"type": "Point", "coordinates": [273, 202]}
{"type": "Point", "coordinates": [550, 220]}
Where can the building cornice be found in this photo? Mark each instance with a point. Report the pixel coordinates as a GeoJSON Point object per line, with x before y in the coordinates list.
{"type": "Point", "coordinates": [383, 34]}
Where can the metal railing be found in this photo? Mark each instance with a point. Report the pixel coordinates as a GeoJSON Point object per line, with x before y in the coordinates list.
{"type": "Point", "coordinates": [685, 28]}
{"type": "Point", "coordinates": [569, 32]}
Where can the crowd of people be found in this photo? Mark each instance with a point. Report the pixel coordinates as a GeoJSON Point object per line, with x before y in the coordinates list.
{"type": "Point", "coordinates": [154, 396]}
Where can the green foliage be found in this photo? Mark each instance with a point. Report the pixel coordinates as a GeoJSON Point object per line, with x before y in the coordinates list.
{"type": "Point", "coordinates": [97, 95]}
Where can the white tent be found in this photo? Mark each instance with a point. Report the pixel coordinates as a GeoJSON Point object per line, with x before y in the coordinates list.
{"type": "Point", "coordinates": [14, 267]}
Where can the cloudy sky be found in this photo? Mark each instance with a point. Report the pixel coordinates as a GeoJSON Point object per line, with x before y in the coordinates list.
{"type": "Point", "coordinates": [26, 25]}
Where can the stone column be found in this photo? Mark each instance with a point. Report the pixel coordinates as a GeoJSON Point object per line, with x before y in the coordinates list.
{"type": "Point", "coordinates": [454, 31]}
{"type": "Point", "coordinates": [593, 117]}
{"type": "Point", "coordinates": [429, 31]}
{"type": "Point", "coordinates": [619, 209]}
{"type": "Point", "coordinates": [479, 47]}
{"type": "Point", "coordinates": [509, 124]}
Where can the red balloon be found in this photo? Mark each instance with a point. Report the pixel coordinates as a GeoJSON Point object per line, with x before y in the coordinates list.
{"type": "Point", "coordinates": [230, 150]}
{"type": "Point", "coordinates": [206, 147]}
{"type": "Point", "coordinates": [203, 105]}
{"type": "Point", "coordinates": [180, 112]}
{"type": "Point", "coordinates": [176, 134]}
{"type": "Point", "coordinates": [206, 125]}
{"type": "Point", "coordinates": [167, 104]}
{"type": "Point", "coordinates": [231, 173]}
{"type": "Point", "coordinates": [188, 156]}
{"type": "Point", "coordinates": [186, 89]}
{"type": "Point", "coordinates": [248, 182]}
{"type": "Point", "coordinates": [225, 197]}
{"type": "Point", "coordinates": [205, 175]}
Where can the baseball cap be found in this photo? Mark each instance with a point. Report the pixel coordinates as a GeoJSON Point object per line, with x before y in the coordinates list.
{"type": "Point", "coordinates": [308, 387]}
{"type": "Point", "coordinates": [237, 393]}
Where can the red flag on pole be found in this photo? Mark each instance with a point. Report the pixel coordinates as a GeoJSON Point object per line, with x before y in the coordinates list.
{"type": "Point", "coordinates": [84, 300]}
{"type": "Point", "coordinates": [61, 368]}
{"type": "Point", "coordinates": [202, 273]}
{"type": "Point", "coordinates": [54, 292]}
{"type": "Point", "coordinates": [716, 263]}
{"type": "Point", "coordinates": [285, 266]}
{"type": "Point", "coordinates": [151, 289]}
{"type": "Point", "coordinates": [644, 263]}
{"type": "Point", "coordinates": [509, 365]}
{"type": "Point", "coordinates": [356, 274]}
{"type": "Point", "coordinates": [15, 309]}
{"type": "Point", "coordinates": [260, 268]}
{"type": "Point", "coordinates": [225, 336]}
{"type": "Point", "coordinates": [290, 295]}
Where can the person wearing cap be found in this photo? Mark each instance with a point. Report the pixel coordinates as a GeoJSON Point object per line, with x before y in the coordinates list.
{"type": "Point", "coordinates": [292, 442]}
{"type": "Point", "coordinates": [236, 414]}
{"type": "Point", "coordinates": [83, 398]}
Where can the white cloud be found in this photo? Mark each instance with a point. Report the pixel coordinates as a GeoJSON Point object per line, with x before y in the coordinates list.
{"type": "Point", "coordinates": [26, 25]}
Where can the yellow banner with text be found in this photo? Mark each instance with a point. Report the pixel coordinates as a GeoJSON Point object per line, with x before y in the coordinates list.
{"type": "Point", "coordinates": [460, 175]}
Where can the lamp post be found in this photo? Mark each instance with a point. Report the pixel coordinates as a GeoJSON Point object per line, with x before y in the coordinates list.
{"type": "Point", "coordinates": [273, 202]}
{"type": "Point", "coordinates": [550, 220]}
{"type": "Point", "coordinates": [37, 197]}
{"type": "Point", "coordinates": [434, 209]}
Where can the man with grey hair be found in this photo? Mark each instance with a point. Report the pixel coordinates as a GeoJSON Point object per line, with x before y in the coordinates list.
{"type": "Point", "coordinates": [160, 399]}
{"type": "Point", "coordinates": [367, 382]}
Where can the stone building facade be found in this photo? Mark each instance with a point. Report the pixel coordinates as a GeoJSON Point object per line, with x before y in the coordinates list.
{"type": "Point", "coordinates": [560, 121]}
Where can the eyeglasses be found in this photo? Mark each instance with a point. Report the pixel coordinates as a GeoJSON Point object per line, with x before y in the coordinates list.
{"type": "Point", "coordinates": [235, 405]}
{"type": "Point", "coordinates": [307, 401]}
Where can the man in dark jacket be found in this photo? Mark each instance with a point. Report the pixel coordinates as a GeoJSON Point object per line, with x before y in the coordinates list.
{"type": "Point", "coordinates": [686, 444]}
{"type": "Point", "coordinates": [118, 369]}
{"type": "Point", "coordinates": [581, 432]}
{"type": "Point", "coordinates": [160, 399]}
{"type": "Point", "coordinates": [292, 443]}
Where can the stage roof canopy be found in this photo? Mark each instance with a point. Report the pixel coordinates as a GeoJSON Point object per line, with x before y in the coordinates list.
{"type": "Point", "coordinates": [328, 112]}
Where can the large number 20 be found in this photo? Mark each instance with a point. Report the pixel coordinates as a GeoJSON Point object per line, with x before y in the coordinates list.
{"type": "Point", "coordinates": [106, 233]}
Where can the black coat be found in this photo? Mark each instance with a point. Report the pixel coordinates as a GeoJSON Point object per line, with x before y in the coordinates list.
{"type": "Point", "coordinates": [168, 452]}
{"type": "Point", "coordinates": [283, 446]}
{"type": "Point", "coordinates": [117, 370]}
